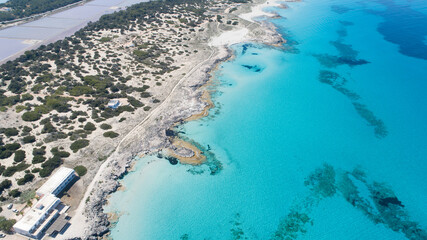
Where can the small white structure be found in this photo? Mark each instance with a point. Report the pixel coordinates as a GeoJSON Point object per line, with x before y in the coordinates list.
{"type": "Point", "coordinates": [39, 218]}
{"type": "Point", "coordinates": [57, 182]}
{"type": "Point", "coordinates": [5, 9]}
{"type": "Point", "coordinates": [114, 104]}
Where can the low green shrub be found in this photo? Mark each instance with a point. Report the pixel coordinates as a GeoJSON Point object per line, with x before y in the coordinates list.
{"type": "Point", "coordinates": [8, 172]}
{"type": "Point", "coordinates": [38, 159]}
{"type": "Point", "coordinates": [7, 224]}
{"type": "Point", "coordinates": [5, 184]}
{"type": "Point", "coordinates": [9, 132]}
{"type": "Point", "coordinates": [111, 134]}
{"type": "Point", "coordinates": [89, 127]}
{"type": "Point", "coordinates": [79, 144]}
{"type": "Point", "coordinates": [80, 170]}
{"type": "Point", "coordinates": [19, 156]}
{"type": "Point", "coordinates": [27, 178]}
{"type": "Point", "coordinates": [31, 116]}
{"type": "Point", "coordinates": [105, 126]}
{"type": "Point", "coordinates": [15, 193]}
{"type": "Point", "coordinates": [29, 139]}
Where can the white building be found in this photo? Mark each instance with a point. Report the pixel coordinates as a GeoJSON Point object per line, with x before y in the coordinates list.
{"type": "Point", "coordinates": [38, 219]}
{"type": "Point", "coordinates": [57, 182]}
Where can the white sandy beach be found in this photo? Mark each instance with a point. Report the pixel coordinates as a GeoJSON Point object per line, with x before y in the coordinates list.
{"type": "Point", "coordinates": [259, 11]}
{"type": "Point", "coordinates": [230, 38]}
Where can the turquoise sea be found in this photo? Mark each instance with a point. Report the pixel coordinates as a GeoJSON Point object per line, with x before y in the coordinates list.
{"type": "Point", "coordinates": [325, 138]}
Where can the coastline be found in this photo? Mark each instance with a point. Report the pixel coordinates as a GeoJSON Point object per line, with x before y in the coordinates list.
{"type": "Point", "coordinates": [206, 97]}
{"type": "Point", "coordinates": [187, 101]}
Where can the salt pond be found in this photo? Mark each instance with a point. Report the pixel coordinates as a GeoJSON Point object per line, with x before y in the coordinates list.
{"type": "Point", "coordinates": [15, 40]}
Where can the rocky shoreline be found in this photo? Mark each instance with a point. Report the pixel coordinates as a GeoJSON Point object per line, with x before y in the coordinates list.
{"type": "Point", "coordinates": [149, 136]}
{"type": "Point", "coordinates": [154, 139]}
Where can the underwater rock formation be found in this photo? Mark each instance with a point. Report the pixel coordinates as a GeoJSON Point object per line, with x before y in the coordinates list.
{"type": "Point", "coordinates": [331, 61]}
{"type": "Point", "coordinates": [293, 225]}
{"type": "Point", "coordinates": [172, 160]}
{"type": "Point", "coordinates": [345, 50]}
{"type": "Point", "coordinates": [393, 214]}
{"type": "Point", "coordinates": [322, 181]}
{"type": "Point", "coordinates": [380, 206]}
{"type": "Point", "coordinates": [338, 82]}
{"type": "Point", "coordinates": [184, 237]}
{"type": "Point", "coordinates": [236, 230]}
{"type": "Point", "coordinates": [211, 164]}
{"type": "Point", "coordinates": [245, 47]}
{"type": "Point", "coordinates": [346, 54]}
{"type": "Point", "coordinates": [254, 68]}
{"type": "Point", "coordinates": [379, 127]}
{"type": "Point", "coordinates": [376, 200]}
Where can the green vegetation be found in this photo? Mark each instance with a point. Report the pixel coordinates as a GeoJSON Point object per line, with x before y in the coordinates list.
{"type": "Point", "coordinates": [79, 144]}
{"type": "Point", "coordinates": [145, 95]}
{"type": "Point", "coordinates": [39, 151]}
{"type": "Point", "coordinates": [49, 75]}
{"type": "Point", "coordinates": [7, 150]}
{"type": "Point", "coordinates": [105, 39]}
{"type": "Point", "coordinates": [20, 108]}
{"type": "Point", "coordinates": [49, 166]}
{"type": "Point", "coordinates": [48, 128]}
{"type": "Point", "coordinates": [29, 139]}
{"type": "Point", "coordinates": [8, 172]}
{"type": "Point", "coordinates": [111, 134]}
{"type": "Point", "coordinates": [89, 127]}
{"type": "Point", "coordinates": [105, 126]}
{"type": "Point", "coordinates": [5, 184]}
{"type": "Point", "coordinates": [6, 224]}
{"type": "Point", "coordinates": [19, 156]}
{"type": "Point", "coordinates": [27, 196]}
{"type": "Point", "coordinates": [15, 193]}
{"type": "Point", "coordinates": [80, 170]}
{"type": "Point", "coordinates": [21, 9]}
{"type": "Point", "coordinates": [9, 132]}
{"type": "Point", "coordinates": [27, 178]}
{"type": "Point", "coordinates": [81, 90]}
{"type": "Point", "coordinates": [134, 102]}
{"type": "Point", "coordinates": [38, 155]}
{"type": "Point", "coordinates": [62, 154]}
{"type": "Point", "coordinates": [31, 116]}
{"type": "Point", "coordinates": [38, 159]}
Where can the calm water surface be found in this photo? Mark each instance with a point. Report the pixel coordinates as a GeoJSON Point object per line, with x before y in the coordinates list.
{"type": "Point", "coordinates": [54, 27]}
{"type": "Point", "coordinates": [324, 139]}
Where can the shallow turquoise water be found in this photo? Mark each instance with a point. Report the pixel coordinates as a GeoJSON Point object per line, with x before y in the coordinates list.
{"type": "Point", "coordinates": [323, 140]}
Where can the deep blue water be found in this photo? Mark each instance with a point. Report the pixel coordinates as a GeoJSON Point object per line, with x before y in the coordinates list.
{"type": "Point", "coordinates": [324, 138]}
